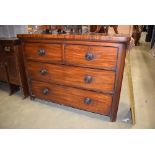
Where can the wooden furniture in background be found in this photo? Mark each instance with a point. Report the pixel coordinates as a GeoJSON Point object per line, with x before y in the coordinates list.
{"type": "Point", "coordinates": [81, 71]}
{"type": "Point", "coordinates": [12, 68]}
{"type": "Point", "coordinates": [136, 34]}
{"type": "Point", "coordinates": [103, 28]}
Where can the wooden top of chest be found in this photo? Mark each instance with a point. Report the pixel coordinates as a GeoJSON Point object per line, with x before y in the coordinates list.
{"type": "Point", "coordinates": [82, 37]}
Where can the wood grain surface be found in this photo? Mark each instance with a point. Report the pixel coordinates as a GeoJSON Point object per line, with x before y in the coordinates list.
{"type": "Point", "coordinates": [73, 97]}
{"type": "Point", "coordinates": [81, 71]}
{"type": "Point", "coordinates": [12, 68]}
{"type": "Point", "coordinates": [103, 57]}
{"type": "Point", "coordinates": [92, 37]}
{"type": "Point", "coordinates": [73, 76]}
{"type": "Point", "coordinates": [52, 52]}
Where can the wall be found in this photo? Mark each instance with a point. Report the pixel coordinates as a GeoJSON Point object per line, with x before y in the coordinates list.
{"type": "Point", "coordinates": [12, 30]}
{"type": "Point", "coordinates": [122, 29]}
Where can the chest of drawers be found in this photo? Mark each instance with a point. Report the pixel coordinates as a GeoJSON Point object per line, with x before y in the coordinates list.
{"type": "Point", "coordinates": [12, 68]}
{"type": "Point", "coordinates": [81, 71]}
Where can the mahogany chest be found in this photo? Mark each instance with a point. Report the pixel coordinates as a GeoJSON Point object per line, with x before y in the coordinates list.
{"type": "Point", "coordinates": [81, 71]}
{"type": "Point", "coordinates": [12, 68]}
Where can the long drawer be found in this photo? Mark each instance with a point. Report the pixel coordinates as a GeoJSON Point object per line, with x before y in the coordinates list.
{"type": "Point", "coordinates": [81, 99]}
{"type": "Point", "coordinates": [91, 56]}
{"type": "Point", "coordinates": [93, 79]}
{"type": "Point", "coordinates": [43, 52]}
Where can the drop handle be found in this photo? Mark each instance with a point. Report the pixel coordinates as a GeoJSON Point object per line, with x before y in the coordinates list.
{"type": "Point", "coordinates": [43, 72]}
{"type": "Point", "coordinates": [88, 79]}
{"type": "Point", "coordinates": [7, 48]}
{"type": "Point", "coordinates": [45, 91]}
{"type": "Point", "coordinates": [89, 56]}
{"type": "Point", "coordinates": [3, 64]}
{"type": "Point", "coordinates": [41, 52]}
{"type": "Point", "coordinates": [87, 100]}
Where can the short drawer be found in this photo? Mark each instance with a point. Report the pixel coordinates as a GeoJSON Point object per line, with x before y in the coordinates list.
{"type": "Point", "coordinates": [43, 52]}
{"type": "Point", "coordinates": [91, 56]}
{"type": "Point", "coordinates": [81, 99]}
{"type": "Point", "coordinates": [93, 79]}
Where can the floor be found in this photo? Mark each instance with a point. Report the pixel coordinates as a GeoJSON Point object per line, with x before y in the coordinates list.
{"type": "Point", "coordinates": [18, 113]}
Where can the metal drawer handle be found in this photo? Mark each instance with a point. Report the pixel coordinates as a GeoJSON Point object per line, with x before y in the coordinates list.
{"type": "Point", "coordinates": [87, 100]}
{"type": "Point", "coordinates": [41, 52]}
{"type": "Point", "coordinates": [45, 91]}
{"type": "Point", "coordinates": [89, 56]}
{"type": "Point", "coordinates": [43, 72]}
{"type": "Point", "coordinates": [88, 79]}
{"type": "Point", "coordinates": [7, 48]}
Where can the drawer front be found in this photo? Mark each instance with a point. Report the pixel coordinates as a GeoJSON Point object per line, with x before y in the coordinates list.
{"type": "Point", "coordinates": [91, 56]}
{"type": "Point", "coordinates": [2, 68]}
{"type": "Point", "coordinates": [13, 71]}
{"type": "Point", "coordinates": [73, 76]}
{"type": "Point", "coordinates": [43, 52]}
{"type": "Point", "coordinates": [8, 62]}
{"type": "Point", "coordinates": [82, 99]}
